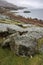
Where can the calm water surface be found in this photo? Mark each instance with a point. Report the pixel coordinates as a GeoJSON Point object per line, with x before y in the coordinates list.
{"type": "Point", "coordinates": [35, 13]}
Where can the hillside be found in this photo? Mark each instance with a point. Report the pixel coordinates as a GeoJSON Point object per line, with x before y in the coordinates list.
{"type": "Point", "coordinates": [7, 5]}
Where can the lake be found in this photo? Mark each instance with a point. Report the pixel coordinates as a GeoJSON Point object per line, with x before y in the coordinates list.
{"type": "Point", "coordinates": [35, 13]}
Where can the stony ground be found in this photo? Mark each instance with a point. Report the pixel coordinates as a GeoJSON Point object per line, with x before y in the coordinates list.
{"type": "Point", "coordinates": [7, 57]}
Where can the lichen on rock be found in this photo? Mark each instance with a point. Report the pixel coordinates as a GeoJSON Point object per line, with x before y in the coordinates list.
{"type": "Point", "coordinates": [24, 43]}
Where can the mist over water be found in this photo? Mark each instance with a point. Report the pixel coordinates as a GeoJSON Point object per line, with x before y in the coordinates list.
{"type": "Point", "coordinates": [35, 13]}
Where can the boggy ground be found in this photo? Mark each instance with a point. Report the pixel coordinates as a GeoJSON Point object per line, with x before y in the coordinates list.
{"type": "Point", "coordinates": [8, 58]}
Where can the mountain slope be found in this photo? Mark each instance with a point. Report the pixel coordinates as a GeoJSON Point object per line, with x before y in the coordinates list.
{"type": "Point", "coordinates": [7, 5]}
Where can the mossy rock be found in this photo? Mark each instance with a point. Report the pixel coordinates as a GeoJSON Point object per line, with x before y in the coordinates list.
{"type": "Point", "coordinates": [40, 42]}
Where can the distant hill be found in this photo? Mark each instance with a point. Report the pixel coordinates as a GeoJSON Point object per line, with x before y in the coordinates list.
{"type": "Point", "coordinates": [7, 5]}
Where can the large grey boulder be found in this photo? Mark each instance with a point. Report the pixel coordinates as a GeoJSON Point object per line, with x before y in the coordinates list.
{"type": "Point", "coordinates": [23, 45]}
{"type": "Point", "coordinates": [24, 41]}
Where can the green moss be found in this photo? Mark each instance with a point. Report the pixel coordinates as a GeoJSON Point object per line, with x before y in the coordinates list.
{"type": "Point", "coordinates": [8, 58]}
{"type": "Point", "coordinates": [1, 40]}
{"type": "Point", "coordinates": [40, 42]}
{"type": "Point", "coordinates": [8, 21]}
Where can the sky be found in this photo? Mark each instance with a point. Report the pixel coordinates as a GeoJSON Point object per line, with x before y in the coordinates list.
{"type": "Point", "coordinates": [28, 3]}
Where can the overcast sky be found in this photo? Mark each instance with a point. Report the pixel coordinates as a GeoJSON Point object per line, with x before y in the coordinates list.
{"type": "Point", "coordinates": [28, 3]}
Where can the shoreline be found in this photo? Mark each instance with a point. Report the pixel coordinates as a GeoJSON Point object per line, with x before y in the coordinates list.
{"type": "Point", "coordinates": [19, 18]}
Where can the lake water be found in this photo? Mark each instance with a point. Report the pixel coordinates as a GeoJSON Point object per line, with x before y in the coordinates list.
{"type": "Point", "coordinates": [35, 13]}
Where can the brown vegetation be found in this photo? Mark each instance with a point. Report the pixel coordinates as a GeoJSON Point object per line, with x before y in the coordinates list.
{"type": "Point", "coordinates": [25, 20]}
{"type": "Point", "coordinates": [22, 19]}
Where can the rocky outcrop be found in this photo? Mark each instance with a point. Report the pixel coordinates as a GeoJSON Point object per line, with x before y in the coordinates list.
{"type": "Point", "coordinates": [23, 42]}
{"type": "Point", "coordinates": [23, 45]}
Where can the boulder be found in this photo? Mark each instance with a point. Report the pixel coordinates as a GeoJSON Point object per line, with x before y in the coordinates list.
{"type": "Point", "coordinates": [22, 45]}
